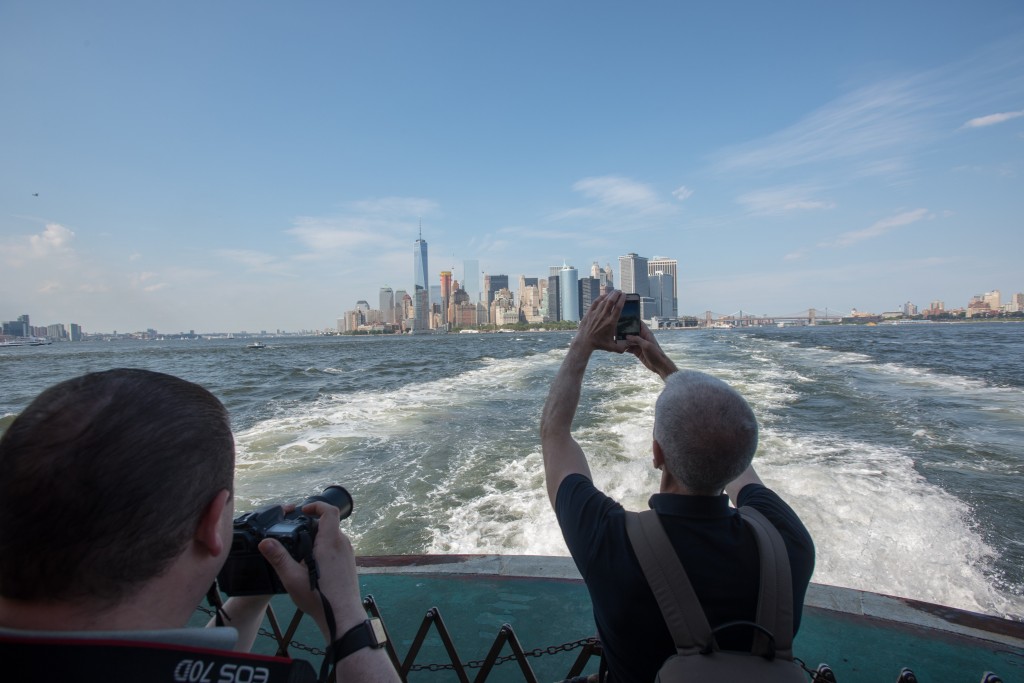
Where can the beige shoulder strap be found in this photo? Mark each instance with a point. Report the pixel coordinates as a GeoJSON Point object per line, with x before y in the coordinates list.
{"type": "Point", "coordinates": [678, 602]}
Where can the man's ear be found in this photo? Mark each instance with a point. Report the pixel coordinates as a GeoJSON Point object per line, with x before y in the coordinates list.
{"type": "Point", "coordinates": [659, 455]}
{"type": "Point", "coordinates": [210, 531]}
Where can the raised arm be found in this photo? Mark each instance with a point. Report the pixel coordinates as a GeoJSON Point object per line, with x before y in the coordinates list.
{"type": "Point", "coordinates": [645, 347]}
{"type": "Point", "coordinates": [562, 454]}
{"type": "Point", "coordinates": [734, 487]}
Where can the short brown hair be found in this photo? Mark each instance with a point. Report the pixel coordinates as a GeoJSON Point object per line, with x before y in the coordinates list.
{"type": "Point", "coordinates": [103, 480]}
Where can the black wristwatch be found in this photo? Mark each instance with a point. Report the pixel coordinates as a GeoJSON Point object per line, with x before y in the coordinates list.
{"type": "Point", "coordinates": [370, 633]}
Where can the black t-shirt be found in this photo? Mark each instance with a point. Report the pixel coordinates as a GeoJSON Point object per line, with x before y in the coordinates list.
{"type": "Point", "coordinates": [716, 548]}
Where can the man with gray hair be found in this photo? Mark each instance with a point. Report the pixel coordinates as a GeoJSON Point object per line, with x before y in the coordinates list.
{"type": "Point", "coordinates": [705, 435]}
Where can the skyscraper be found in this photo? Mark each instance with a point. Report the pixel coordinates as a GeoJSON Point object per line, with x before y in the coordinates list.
{"type": "Point", "coordinates": [569, 293]}
{"type": "Point", "coordinates": [553, 310]}
{"type": "Point", "coordinates": [661, 292]}
{"type": "Point", "coordinates": [590, 289]}
{"type": "Point", "coordinates": [633, 274]}
{"type": "Point", "coordinates": [471, 279]}
{"type": "Point", "coordinates": [387, 304]}
{"type": "Point", "coordinates": [446, 295]}
{"type": "Point", "coordinates": [421, 291]}
{"type": "Point", "coordinates": [668, 266]}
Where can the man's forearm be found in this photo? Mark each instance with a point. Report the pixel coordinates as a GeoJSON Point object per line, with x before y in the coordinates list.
{"type": "Point", "coordinates": [564, 396]}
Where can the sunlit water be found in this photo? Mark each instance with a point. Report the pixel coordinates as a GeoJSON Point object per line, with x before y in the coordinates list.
{"type": "Point", "coordinates": [900, 447]}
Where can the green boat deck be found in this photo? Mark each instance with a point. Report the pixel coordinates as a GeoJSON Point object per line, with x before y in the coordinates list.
{"type": "Point", "coordinates": [862, 636]}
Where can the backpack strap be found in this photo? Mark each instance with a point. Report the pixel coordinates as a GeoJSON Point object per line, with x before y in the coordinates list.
{"type": "Point", "coordinates": [679, 605]}
{"type": "Point", "coordinates": [775, 596]}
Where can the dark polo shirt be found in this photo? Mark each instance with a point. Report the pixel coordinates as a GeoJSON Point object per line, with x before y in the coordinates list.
{"type": "Point", "coordinates": [715, 546]}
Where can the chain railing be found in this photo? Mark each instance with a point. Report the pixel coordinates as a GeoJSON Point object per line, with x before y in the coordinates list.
{"type": "Point", "coordinates": [588, 647]}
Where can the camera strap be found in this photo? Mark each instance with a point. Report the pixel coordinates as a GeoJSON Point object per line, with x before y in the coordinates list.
{"type": "Point", "coordinates": [29, 659]}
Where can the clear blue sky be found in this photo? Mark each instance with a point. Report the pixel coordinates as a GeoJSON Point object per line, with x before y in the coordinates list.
{"type": "Point", "coordinates": [262, 165]}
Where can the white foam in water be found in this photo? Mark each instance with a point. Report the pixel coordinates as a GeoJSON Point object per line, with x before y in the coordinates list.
{"type": "Point", "coordinates": [878, 525]}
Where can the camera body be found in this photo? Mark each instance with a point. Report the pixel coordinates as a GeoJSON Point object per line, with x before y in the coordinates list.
{"type": "Point", "coordinates": [246, 571]}
{"type": "Point", "coordinates": [629, 319]}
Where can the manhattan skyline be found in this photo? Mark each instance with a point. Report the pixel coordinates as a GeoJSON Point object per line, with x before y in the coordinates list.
{"type": "Point", "coordinates": [239, 167]}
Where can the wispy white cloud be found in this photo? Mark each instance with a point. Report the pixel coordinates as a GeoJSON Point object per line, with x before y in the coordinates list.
{"type": "Point", "coordinates": [361, 227]}
{"type": "Point", "coordinates": [782, 200]}
{"type": "Point", "coordinates": [880, 228]}
{"type": "Point", "coordinates": [614, 198]}
{"type": "Point", "coordinates": [256, 261]}
{"type": "Point", "coordinates": [24, 250]}
{"type": "Point", "coordinates": [874, 119]}
{"type": "Point", "coordinates": [682, 193]}
{"type": "Point", "coordinates": [54, 237]}
{"type": "Point", "coordinates": [993, 119]}
{"type": "Point", "coordinates": [878, 128]}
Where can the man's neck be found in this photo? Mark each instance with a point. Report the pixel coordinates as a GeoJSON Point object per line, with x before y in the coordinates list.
{"type": "Point", "coordinates": [670, 484]}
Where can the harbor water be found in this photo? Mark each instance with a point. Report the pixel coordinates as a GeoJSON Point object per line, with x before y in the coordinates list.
{"type": "Point", "coordinates": [901, 447]}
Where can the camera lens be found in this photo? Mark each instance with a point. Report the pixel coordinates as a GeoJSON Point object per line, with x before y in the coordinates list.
{"type": "Point", "coordinates": [333, 495]}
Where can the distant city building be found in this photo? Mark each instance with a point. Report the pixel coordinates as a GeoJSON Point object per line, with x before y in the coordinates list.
{"type": "Point", "coordinates": [76, 332]}
{"type": "Point", "coordinates": [493, 284]}
{"type": "Point", "coordinates": [589, 290]}
{"type": "Point", "coordinates": [670, 267]}
{"type": "Point", "coordinates": [503, 308]}
{"type": "Point", "coordinates": [633, 274]}
{"type": "Point", "coordinates": [992, 299]}
{"type": "Point", "coordinates": [909, 309]}
{"type": "Point", "coordinates": [421, 293]}
{"type": "Point", "coordinates": [446, 296]}
{"type": "Point", "coordinates": [471, 279]}
{"type": "Point", "coordinates": [568, 294]}
{"type": "Point", "coordinates": [530, 299]}
{"type": "Point", "coordinates": [387, 304]}
{"type": "Point", "coordinates": [662, 287]}
{"type": "Point", "coordinates": [603, 275]}
{"type": "Point", "coordinates": [552, 301]}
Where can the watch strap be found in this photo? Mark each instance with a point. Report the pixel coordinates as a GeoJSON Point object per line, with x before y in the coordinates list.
{"type": "Point", "coordinates": [369, 633]}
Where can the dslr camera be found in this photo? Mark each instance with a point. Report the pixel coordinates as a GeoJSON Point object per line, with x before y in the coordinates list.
{"type": "Point", "coordinates": [246, 571]}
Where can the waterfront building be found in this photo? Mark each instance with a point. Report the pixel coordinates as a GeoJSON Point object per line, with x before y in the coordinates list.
{"type": "Point", "coordinates": [633, 274]}
{"type": "Point", "coordinates": [589, 290]}
{"type": "Point", "coordinates": [670, 267]}
{"type": "Point", "coordinates": [661, 285]}
{"type": "Point", "coordinates": [387, 304]}
{"type": "Point", "coordinates": [493, 284]}
{"type": "Point", "coordinates": [421, 291]}
{"type": "Point", "coordinates": [568, 294]}
{"type": "Point", "coordinates": [503, 309]}
{"type": "Point", "coordinates": [909, 309]}
{"type": "Point", "coordinates": [552, 307]}
{"type": "Point", "coordinates": [76, 332]}
{"type": "Point", "coordinates": [530, 299]}
{"type": "Point", "coordinates": [471, 279]}
{"type": "Point", "coordinates": [993, 299]}
{"type": "Point", "coordinates": [603, 275]}
{"type": "Point", "coordinates": [446, 295]}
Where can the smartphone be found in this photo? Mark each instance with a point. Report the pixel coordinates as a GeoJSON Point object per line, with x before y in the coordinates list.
{"type": "Point", "coordinates": [629, 319]}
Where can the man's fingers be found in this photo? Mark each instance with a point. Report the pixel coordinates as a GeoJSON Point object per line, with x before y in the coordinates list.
{"type": "Point", "coordinates": [278, 557]}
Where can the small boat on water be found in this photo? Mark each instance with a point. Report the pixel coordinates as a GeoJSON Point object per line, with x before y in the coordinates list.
{"type": "Point", "coordinates": [256, 345]}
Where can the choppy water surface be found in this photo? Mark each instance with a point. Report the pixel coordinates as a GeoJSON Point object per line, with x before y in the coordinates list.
{"type": "Point", "coordinates": [900, 447]}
